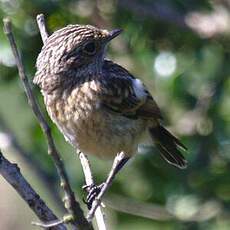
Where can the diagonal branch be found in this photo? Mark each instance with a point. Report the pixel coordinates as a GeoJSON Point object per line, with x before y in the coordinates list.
{"type": "Point", "coordinates": [13, 176]}
{"type": "Point", "coordinates": [89, 181]}
{"type": "Point", "coordinates": [73, 207]}
{"type": "Point", "coordinates": [42, 27]}
{"type": "Point", "coordinates": [96, 203]}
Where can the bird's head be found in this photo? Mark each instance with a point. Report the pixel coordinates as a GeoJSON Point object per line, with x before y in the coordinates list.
{"type": "Point", "coordinates": [75, 48]}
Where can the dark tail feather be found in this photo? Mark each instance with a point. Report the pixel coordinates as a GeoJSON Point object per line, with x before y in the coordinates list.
{"type": "Point", "coordinates": [168, 145]}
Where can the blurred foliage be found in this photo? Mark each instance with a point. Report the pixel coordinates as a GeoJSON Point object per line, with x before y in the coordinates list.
{"type": "Point", "coordinates": [187, 74]}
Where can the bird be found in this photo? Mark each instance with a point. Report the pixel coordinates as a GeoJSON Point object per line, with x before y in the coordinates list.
{"type": "Point", "coordinates": [99, 106]}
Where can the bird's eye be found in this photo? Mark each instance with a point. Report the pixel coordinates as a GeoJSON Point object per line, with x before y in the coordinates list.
{"type": "Point", "coordinates": [90, 48]}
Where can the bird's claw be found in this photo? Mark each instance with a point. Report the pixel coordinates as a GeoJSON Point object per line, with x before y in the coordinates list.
{"type": "Point", "coordinates": [93, 191]}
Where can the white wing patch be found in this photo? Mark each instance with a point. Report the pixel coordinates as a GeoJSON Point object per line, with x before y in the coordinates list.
{"type": "Point", "coordinates": [139, 89]}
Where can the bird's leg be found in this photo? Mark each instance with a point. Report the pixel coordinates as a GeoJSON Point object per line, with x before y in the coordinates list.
{"type": "Point", "coordinates": [97, 191]}
{"type": "Point", "coordinates": [92, 191]}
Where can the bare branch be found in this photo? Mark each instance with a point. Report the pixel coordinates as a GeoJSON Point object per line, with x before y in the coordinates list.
{"type": "Point", "coordinates": [89, 181]}
{"type": "Point", "coordinates": [71, 204]}
{"type": "Point", "coordinates": [118, 159]}
{"type": "Point", "coordinates": [42, 27]}
{"type": "Point", "coordinates": [49, 225]}
{"type": "Point", "coordinates": [13, 176]}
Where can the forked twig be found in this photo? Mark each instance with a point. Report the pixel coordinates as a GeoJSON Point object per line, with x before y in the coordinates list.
{"type": "Point", "coordinates": [118, 159]}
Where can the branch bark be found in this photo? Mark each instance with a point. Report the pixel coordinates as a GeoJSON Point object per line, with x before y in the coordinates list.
{"type": "Point", "coordinates": [96, 203]}
{"type": "Point", "coordinates": [42, 27]}
{"type": "Point", "coordinates": [13, 176]}
{"type": "Point", "coordinates": [89, 181]}
{"type": "Point", "coordinates": [73, 207]}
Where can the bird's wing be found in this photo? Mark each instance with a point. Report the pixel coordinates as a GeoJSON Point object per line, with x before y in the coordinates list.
{"type": "Point", "coordinates": [126, 95]}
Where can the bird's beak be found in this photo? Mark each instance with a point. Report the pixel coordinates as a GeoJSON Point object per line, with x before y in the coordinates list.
{"type": "Point", "coordinates": [114, 33]}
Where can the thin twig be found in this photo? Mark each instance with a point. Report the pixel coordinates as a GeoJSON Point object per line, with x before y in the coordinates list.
{"type": "Point", "coordinates": [13, 176]}
{"type": "Point", "coordinates": [48, 225]}
{"type": "Point", "coordinates": [89, 181]}
{"type": "Point", "coordinates": [42, 27]}
{"type": "Point", "coordinates": [118, 159]}
{"type": "Point", "coordinates": [71, 204]}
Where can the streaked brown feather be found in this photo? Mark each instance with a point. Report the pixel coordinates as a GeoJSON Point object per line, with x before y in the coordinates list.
{"type": "Point", "coordinates": [123, 99]}
{"type": "Point", "coordinates": [149, 109]}
{"type": "Point", "coordinates": [168, 145]}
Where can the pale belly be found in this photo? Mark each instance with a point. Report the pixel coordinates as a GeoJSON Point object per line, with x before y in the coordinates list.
{"type": "Point", "coordinates": [103, 134]}
{"type": "Point", "coordinates": [98, 132]}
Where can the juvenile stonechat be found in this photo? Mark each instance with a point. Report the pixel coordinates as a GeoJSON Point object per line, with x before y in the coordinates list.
{"type": "Point", "coordinates": [100, 107]}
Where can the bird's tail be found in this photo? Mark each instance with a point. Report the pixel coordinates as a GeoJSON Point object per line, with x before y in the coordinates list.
{"type": "Point", "coordinates": [168, 146]}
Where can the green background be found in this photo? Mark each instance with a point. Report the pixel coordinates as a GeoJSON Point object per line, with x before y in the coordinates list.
{"type": "Point", "coordinates": [184, 62]}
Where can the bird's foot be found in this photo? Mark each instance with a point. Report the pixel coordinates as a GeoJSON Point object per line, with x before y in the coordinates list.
{"type": "Point", "coordinates": [93, 191]}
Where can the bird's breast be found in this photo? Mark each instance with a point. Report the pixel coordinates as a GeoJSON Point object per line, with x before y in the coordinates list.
{"type": "Point", "coordinates": [73, 109]}
{"type": "Point", "coordinates": [88, 126]}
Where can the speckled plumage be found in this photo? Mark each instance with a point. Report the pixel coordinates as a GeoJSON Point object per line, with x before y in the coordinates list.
{"type": "Point", "coordinates": [99, 106]}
